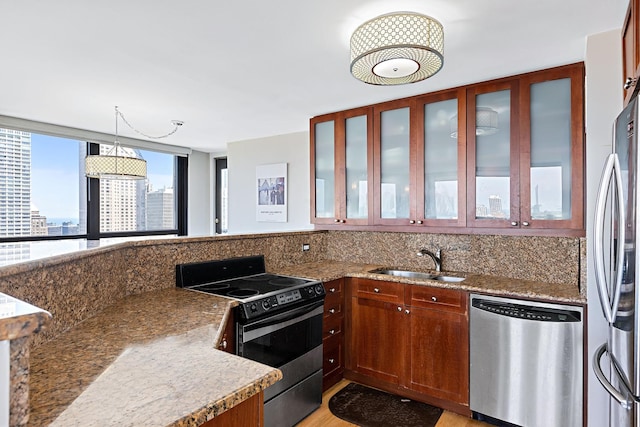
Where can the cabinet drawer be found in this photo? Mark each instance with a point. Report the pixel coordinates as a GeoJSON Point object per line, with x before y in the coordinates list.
{"type": "Point", "coordinates": [437, 298]}
{"type": "Point", "coordinates": [332, 355]}
{"type": "Point", "coordinates": [333, 287]}
{"type": "Point", "coordinates": [333, 307]}
{"type": "Point", "coordinates": [332, 326]}
{"type": "Point", "coordinates": [379, 290]}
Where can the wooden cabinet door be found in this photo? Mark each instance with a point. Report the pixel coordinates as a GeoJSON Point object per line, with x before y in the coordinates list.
{"type": "Point", "coordinates": [395, 163]}
{"type": "Point", "coordinates": [441, 159]}
{"type": "Point", "coordinates": [438, 359]}
{"type": "Point", "coordinates": [552, 149]}
{"type": "Point", "coordinates": [249, 413]}
{"type": "Point", "coordinates": [377, 347]}
{"type": "Point", "coordinates": [341, 167]}
{"type": "Point", "coordinates": [630, 50]}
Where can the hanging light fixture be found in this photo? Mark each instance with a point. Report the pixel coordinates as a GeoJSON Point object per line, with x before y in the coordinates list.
{"type": "Point", "coordinates": [118, 162]}
{"type": "Point", "coordinates": [397, 48]}
{"type": "Point", "coordinates": [486, 122]}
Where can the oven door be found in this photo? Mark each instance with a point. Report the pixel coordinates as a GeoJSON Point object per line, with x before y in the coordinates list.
{"type": "Point", "coordinates": [290, 341]}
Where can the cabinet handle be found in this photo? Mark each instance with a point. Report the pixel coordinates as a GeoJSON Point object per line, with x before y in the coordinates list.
{"type": "Point", "coordinates": [223, 344]}
{"type": "Point", "coordinates": [332, 332]}
{"type": "Point", "coordinates": [376, 290]}
{"type": "Point", "coordinates": [629, 82]}
{"type": "Point", "coordinates": [332, 290]}
{"type": "Point", "coordinates": [336, 220]}
{"type": "Point", "coordinates": [525, 223]}
{"type": "Point", "coordinates": [407, 311]}
{"type": "Point", "coordinates": [332, 310]}
{"type": "Point", "coordinates": [412, 222]}
{"type": "Point", "coordinates": [419, 222]}
{"type": "Point", "coordinates": [332, 361]}
{"type": "Point", "coordinates": [514, 223]}
{"type": "Point", "coordinates": [399, 308]}
{"type": "Point", "coordinates": [434, 299]}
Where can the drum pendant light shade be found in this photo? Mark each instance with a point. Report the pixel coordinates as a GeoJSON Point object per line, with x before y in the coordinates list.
{"type": "Point", "coordinates": [114, 166]}
{"type": "Point", "coordinates": [397, 48]}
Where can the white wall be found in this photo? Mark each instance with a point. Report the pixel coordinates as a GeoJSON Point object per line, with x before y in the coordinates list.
{"type": "Point", "coordinates": [200, 209]}
{"type": "Point", "coordinates": [242, 159]}
{"type": "Point", "coordinates": [603, 103]}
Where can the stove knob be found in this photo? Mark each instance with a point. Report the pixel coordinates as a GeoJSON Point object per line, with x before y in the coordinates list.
{"type": "Point", "coordinates": [310, 290]}
{"type": "Point", "coordinates": [319, 289]}
{"type": "Point", "coordinates": [253, 307]}
{"type": "Point", "coordinates": [266, 304]}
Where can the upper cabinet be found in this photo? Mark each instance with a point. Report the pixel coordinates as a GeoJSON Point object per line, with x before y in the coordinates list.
{"type": "Point", "coordinates": [505, 156]}
{"type": "Point", "coordinates": [341, 158]}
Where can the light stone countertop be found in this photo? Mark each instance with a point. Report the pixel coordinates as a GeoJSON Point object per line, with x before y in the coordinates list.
{"type": "Point", "coordinates": [493, 285]}
{"type": "Point", "coordinates": [148, 360]}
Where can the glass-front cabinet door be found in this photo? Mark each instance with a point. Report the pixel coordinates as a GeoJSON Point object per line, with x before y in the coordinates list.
{"type": "Point", "coordinates": [441, 159]}
{"type": "Point", "coordinates": [341, 164]}
{"type": "Point", "coordinates": [493, 169]}
{"type": "Point", "coordinates": [394, 195]}
{"type": "Point", "coordinates": [552, 153]}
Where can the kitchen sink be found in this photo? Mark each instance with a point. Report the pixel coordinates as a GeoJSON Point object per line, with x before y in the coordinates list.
{"type": "Point", "coordinates": [416, 275]}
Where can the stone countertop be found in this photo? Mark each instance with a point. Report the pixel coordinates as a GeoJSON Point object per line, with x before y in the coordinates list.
{"type": "Point", "coordinates": [19, 319]}
{"type": "Point", "coordinates": [493, 285]}
{"type": "Point", "coordinates": [148, 360]}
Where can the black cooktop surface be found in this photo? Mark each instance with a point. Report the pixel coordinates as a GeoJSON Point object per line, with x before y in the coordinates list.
{"type": "Point", "coordinates": [245, 287]}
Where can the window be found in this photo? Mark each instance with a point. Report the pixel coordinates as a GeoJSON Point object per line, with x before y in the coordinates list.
{"type": "Point", "coordinates": [44, 194]}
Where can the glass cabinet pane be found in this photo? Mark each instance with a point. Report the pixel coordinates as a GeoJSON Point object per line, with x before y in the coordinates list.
{"type": "Point", "coordinates": [356, 166]}
{"type": "Point", "coordinates": [441, 160]}
{"type": "Point", "coordinates": [325, 166]}
{"type": "Point", "coordinates": [551, 149]}
{"type": "Point", "coordinates": [493, 130]}
{"type": "Point", "coordinates": [394, 163]}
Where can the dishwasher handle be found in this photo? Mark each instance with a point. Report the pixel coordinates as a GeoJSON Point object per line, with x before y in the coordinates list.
{"type": "Point", "coordinates": [526, 312]}
{"type": "Point", "coordinates": [626, 399]}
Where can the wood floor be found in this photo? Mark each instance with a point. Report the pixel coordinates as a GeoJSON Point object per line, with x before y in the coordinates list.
{"type": "Point", "coordinates": [323, 417]}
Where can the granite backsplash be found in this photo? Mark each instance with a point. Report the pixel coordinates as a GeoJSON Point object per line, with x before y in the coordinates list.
{"type": "Point", "coordinates": [75, 286]}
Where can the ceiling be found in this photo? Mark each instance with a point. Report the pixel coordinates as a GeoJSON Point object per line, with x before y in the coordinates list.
{"type": "Point", "coordinates": [247, 69]}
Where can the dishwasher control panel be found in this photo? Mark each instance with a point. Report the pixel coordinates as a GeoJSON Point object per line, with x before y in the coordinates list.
{"type": "Point", "coordinates": [524, 311]}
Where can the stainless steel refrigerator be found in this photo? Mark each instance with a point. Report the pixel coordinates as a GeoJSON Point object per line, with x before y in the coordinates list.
{"type": "Point", "coordinates": [617, 361]}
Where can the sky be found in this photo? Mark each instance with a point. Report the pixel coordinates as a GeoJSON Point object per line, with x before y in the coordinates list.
{"type": "Point", "coordinates": [55, 178]}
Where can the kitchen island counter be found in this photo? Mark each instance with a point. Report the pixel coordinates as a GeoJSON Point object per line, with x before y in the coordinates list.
{"type": "Point", "coordinates": [517, 288]}
{"type": "Point", "coordinates": [148, 360]}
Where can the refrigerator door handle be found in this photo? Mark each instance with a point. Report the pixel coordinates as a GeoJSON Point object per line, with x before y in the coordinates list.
{"type": "Point", "coordinates": [626, 399]}
{"type": "Point", "coordinates": [611, 172]}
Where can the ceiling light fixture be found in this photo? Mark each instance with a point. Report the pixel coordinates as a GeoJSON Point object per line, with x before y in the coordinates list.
{"type": "Point", "coordinates": [120, 163]}
{"type": "Point", "coordinates": [486, 122]}
{"type": "Point", "coordinates": [397, 48]}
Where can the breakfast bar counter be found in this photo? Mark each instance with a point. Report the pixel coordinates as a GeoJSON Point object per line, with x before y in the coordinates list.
{"type": "Point", "coordinates": [148, 360]}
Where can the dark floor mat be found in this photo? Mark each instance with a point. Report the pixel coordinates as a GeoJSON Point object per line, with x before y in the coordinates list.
{"type": "Point", "coordinates": [368, 407]}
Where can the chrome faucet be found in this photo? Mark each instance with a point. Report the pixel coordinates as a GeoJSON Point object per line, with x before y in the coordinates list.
{"type": "Point", "coordinates": [437, 257]}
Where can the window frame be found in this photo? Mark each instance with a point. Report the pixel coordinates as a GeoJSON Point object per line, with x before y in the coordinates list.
{"type": "Point", "coordinates": [93, 141]}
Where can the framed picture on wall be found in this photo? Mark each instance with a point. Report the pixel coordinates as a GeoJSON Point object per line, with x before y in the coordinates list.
{"type": "Point", "coordinates": [271, 186]}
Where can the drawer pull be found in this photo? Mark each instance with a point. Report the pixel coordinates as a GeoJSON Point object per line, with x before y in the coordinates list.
{"type": "Point", "coordinates": [376, 290]}
{"type": "Point", "coordinates": [407, 312]}
{"type": "Point", "coordinates": [332, 290]}
{"type": "Point", "coordinates": [399, 308]}
{"type": "Point", "coordinates": [434, 299]}
{"type": "Point", "coordinates": [332, 331]}
{"type": "Point", "coordinates": [332, 310]}
{"type": "Point", "coordinates": [223, 344]}
{"type": "Point", "coordinates": [332, 361]}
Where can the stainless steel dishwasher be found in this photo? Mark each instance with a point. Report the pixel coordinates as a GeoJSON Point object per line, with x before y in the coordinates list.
{"type": "Point", "coordinates": [526, 362]}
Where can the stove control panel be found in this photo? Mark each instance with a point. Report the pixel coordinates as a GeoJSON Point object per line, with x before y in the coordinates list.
{"type": "Point", "coordinates": [280, 300]}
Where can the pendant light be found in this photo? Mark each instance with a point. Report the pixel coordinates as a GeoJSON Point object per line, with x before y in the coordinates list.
{"type": "Point", "coordinates": [119, 162]}
{"type": "Point", "coordinates": [397, 48]}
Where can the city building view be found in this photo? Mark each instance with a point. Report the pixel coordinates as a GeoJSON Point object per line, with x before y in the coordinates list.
{"type": "Point", "coordinates": [125, 205]}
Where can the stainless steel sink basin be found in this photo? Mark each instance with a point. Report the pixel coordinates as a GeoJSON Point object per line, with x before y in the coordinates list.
{"type": "Point", "coordinates": [416, 275]}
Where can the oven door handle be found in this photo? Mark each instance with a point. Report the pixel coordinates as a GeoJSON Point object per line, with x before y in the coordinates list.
{"type": "Point", "coordinates": [282, 320]}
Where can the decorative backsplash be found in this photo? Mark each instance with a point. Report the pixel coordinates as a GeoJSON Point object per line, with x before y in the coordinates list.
{"type": "Point", "coordinates": [75, 286]}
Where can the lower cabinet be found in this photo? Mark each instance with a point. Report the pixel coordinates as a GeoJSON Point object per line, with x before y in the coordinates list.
{"type": "Point", "coordinates": [411, 340]}
{"type": "Point", "coordinates": [333, 334]}
{"type": "Point", "coordinates": [246, 414]}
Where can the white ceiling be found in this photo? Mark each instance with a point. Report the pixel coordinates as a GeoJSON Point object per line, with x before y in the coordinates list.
{"type": "Point", "coordinates": [246, 69]}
